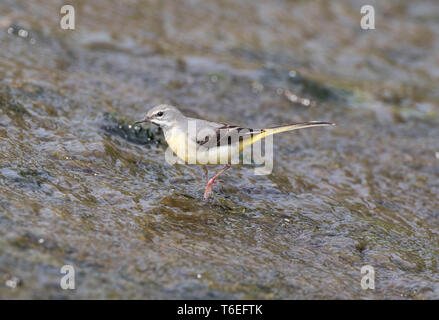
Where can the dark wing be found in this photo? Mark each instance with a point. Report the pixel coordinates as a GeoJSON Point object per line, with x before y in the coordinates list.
{"type": "Point", "coordinates": [224, 134]}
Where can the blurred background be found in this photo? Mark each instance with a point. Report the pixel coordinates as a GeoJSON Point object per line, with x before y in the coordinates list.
{"type": "Point", "coordinates": [80, 185]}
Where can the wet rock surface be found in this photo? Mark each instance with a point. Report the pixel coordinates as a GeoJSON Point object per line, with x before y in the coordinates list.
{"type": "Point", "coordinates": [81, 185]}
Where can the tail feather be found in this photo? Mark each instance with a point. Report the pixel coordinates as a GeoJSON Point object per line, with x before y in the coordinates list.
{"type": "Point", "coordinates": [289, 127]}
{"type": "Point", "coordinates": [295, 126]}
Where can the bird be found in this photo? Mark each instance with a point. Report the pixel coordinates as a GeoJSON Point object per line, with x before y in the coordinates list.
{"type": "Point", "coordinates": [202, 142]}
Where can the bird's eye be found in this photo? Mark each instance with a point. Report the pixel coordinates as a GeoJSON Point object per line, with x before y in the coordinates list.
{"type": "Point", "coordinates": [159, 114]}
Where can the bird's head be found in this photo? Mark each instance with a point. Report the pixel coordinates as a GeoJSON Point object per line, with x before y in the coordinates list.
{"type": "Point", "coordinates": [165, 116]}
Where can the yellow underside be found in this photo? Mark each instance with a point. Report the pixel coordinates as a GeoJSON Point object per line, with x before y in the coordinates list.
{"type": "Point", "coordinates": [221, 155]}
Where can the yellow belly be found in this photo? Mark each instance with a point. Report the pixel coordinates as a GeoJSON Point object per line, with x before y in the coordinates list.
{"type": "Point", "coordinates": [191, 153]}
{"type": "Point", "coordinates": [178, 144]}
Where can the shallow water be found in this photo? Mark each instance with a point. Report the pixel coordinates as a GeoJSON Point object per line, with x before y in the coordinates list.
{"type": "Point", "coordinates": [79, 185]}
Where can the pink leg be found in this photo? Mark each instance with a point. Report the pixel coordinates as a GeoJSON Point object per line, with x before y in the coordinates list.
{"type": "Point", "coordinates": [210, 183]}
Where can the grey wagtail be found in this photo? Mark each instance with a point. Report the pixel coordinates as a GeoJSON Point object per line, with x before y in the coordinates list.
{"type": "Point", "coordinates": [197, 141]}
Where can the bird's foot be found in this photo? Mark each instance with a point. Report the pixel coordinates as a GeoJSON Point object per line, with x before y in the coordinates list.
{"type": "Point", "coordinates": [209, 188]}
{"type": "Point", "coordinates": [211, 182]}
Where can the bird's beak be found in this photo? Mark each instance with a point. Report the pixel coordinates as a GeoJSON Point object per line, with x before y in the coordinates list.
{"type": "Point", "coordinates": [146, 119]}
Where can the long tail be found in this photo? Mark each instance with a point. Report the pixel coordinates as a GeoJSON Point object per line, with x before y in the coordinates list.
{"type": "Point", "coordinates": [274, 130]}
